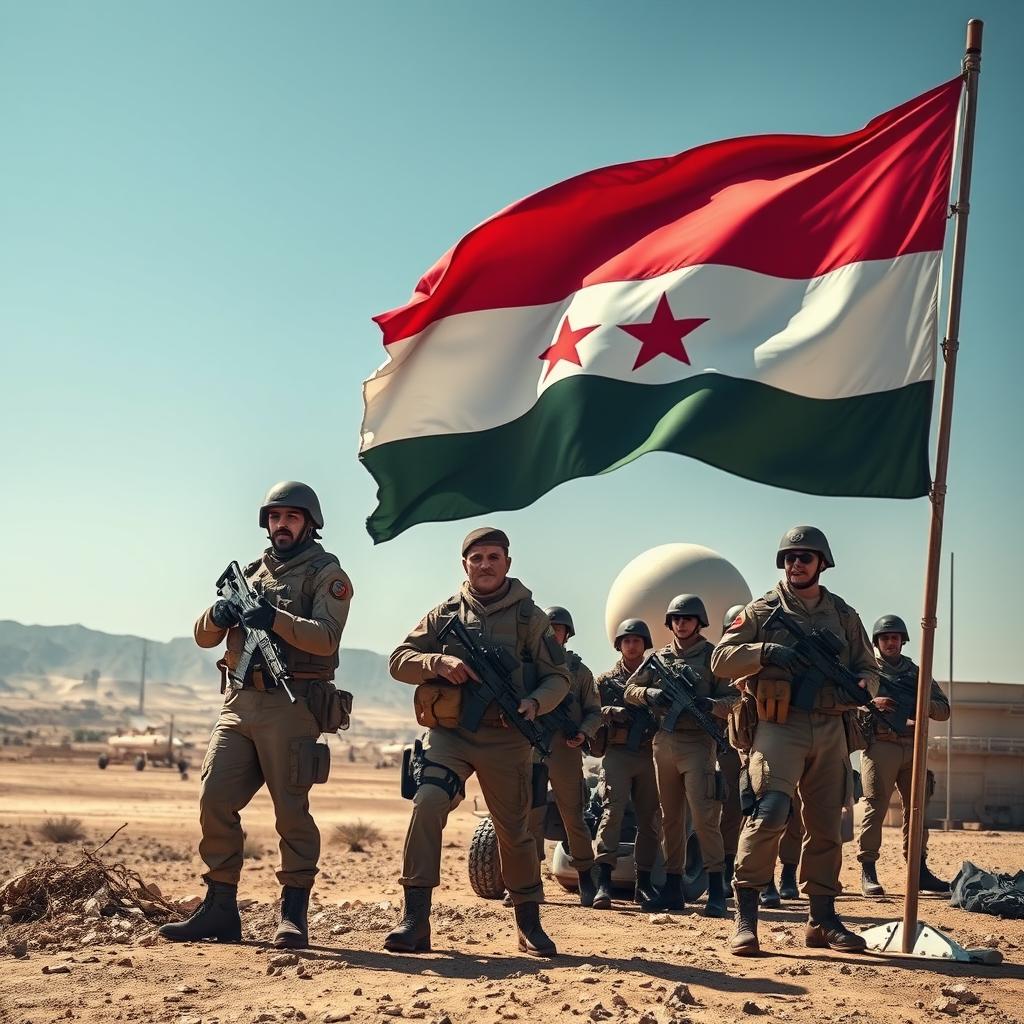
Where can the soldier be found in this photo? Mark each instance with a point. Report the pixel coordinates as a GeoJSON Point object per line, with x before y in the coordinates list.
{"type": "Point", "coordinates": [888, 761]}
{"type": "Point", "coordinates": [628, 770]}
{"type": "Point", "coordinates": [808, 749]}
{"type": "Point", "coordinates": [305, 598]}
{"type": "Point", "coordinates": [789, 857]}
{"type": "Point", "coordinates": [565, 766]}
{"type": "Point", "coordinates": [685, 758]}
{"type": "Point", "coordinates": [732, 815]}
{"type": "Point", "coordinates": [502, 610]}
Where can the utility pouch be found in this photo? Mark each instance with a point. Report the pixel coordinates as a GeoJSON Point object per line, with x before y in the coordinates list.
{"type": "Point", "coordinates": [331, 707]}
{"type": "Point", "coordinates": [310, 763]}
{"type": "Point", "coordinates": [719, 787]}
{"type": "Point", "coordinates": [748, 798]}
{"type": "Point", "coordinates": [408, 780]}
{"type": "Point", "coordinates": [856, 737]}
{"type": "Point", "coordinates": [438, 704]}
{"type": "Point", "coordinates": [539, 786]}
{"type": "Point", "coordinates": [597, 744]}
{"type": "Point", "coordinates": [418, 770]}
{"type": "Point", "coordinates": [773, 697]}
{"type": "Point", "coordinates": [742, 722]}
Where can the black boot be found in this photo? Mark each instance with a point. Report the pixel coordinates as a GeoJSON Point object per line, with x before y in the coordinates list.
{"type": "Point", "coordinates": [744, 938]}
{"type": "Point", "coordinates": [670, 897]}
{"type": "Point", "coordinates": [412, 933]}
{"type": "Point", "coordinates": [603, 897]}
{"type": "Point", "coordinates": [215, 918]}
{"type": "Point", "coordinates": [788, 888]}
{"type": "Point", "coordinates": [644, 894]}
{"type": "Point", "coordinates": [715, 906]}
{"type": "Point", "coordinates": [532, 937]}
{"type": "Point", "coordinates": [825, 929]}
{"type": "Point", "coordinates": [869, 884]}
{"type": "Point", "coordinates": [929, 883]}
{"type": "Point", "coordinates": [770, 898]}
{"type": "Point", "coordinates": [587, 888]}
{"type": "Point", "coordinates": [293, 931]}
{"type": "Point", "coordinates": [730, 866]}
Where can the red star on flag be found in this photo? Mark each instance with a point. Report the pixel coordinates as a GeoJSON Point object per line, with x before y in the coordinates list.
{"type": "Point", "coordinates": [565, 346]}
{"type": "Point", "coordinates": [663, 336]}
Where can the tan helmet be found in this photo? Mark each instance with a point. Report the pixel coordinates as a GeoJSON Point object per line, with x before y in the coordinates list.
{"type": "Point", "coordinates": [292, 494]}
{"type": "Point", "coordinates": [804, 538]}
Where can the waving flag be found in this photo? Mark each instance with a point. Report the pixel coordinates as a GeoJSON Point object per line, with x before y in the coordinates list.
{"type": "Point", "coordinates": [765, 304]}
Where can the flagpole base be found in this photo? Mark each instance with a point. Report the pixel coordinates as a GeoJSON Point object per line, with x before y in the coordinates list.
{"type": "Point", "coordinates": [929, 944]}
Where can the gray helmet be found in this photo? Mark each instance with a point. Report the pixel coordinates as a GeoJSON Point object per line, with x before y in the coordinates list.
{"type": "Point", "coordinates": [292, 494]}
{"type": "Point", "coordinates": [686, 604]}
{"type": "Point", "coordinates": [804, 538]}
{"type": "Point", "coordinates": [559, 616]}
{"type": "Point", "coordinates": [633, 627]}
{"type": "Point", "coordinates": [730, 615]}
{"type": "Point", "coordinates": [890, 624]}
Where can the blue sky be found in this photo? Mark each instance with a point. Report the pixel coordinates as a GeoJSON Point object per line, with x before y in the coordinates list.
{"type": "Point", "coordinates": [203, 204]}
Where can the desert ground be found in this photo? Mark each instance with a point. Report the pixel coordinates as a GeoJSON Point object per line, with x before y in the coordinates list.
{"type": "Point", "coordinates": [620, 965]}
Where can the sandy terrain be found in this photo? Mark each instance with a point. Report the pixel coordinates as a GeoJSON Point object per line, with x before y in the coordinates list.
{"type": "Point", "coordinates": [616, 965]}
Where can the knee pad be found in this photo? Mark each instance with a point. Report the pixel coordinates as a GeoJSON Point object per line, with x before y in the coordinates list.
{"type": "Point", "coordinates": [773, 809]}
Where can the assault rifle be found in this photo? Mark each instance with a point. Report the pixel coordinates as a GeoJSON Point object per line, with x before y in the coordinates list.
{"type": "Point", "coordinates": [903, 690]}
{"type": "Point", "coordinates": [239, 593]}
{"type": "Point", "coordinates": [818, 650]}
{"type": "Point", "coordinates": [641, 721]}
{"type": "Point", "coordinates": [494, 666]}
{"type": "Point", "coordinates": [679, 688]}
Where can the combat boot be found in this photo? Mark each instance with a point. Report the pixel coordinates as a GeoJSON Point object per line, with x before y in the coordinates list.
{"type": "Point", "coordinates": [587, 888]}
{"type": "Point", "coordinates": [293, 931]}
{"type": "Point", "coordinates": [532, 937]}
{"type": "Point", "coordinates": [788, 888]}
{"type": "Point", "coordinates": [929, 883]}
{"type": "Point", "coordinates": [869, 884]}
{"type": "Point", "coordinates": [770, 898]}
{"type": "Point", "coordinates": [730, 867]}
{"type": "Point", "coordinates": [744, 938]}
{"type": "Point", "coordinates": [603, 896]}
{"type": "Point", "coordinates": [644, 893]}
{"type": "Point", "coordinates": [825, 929]}
{"type": "Point", "coordinates": [215, 918]}
{"type": "Point", "coordinates": [715, 906]}
{"type": "Point", "coordinates": [670, 896]}
{"type": "Point", "coordinates": [412, 933]}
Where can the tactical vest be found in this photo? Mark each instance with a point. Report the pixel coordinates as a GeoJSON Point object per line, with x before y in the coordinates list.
{"type": "Point", "coordinates": [703, 688]}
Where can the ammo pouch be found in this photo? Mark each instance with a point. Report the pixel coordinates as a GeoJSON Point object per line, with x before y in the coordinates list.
{"type": "Point", "coordinates": [597, 744]}
{"type": "Point", "coordinates": [742, 722]}
{"type": "Point", "coordinates": [774, 690]}
{"type": "Point", "coordinates": [331, 707]}
{"type": "Point", "coordinates": [719, 788]}
{"type": "Point", "coordinates": [310, 763]}
{"type": "Point", "coordinates": [748, 798]}
{"type": "Point", "coordinates": [539, 786]}
{"type": "Point", "coordinates": [438, 704]}
{"type": "Point", "coordinates": [856, 735]}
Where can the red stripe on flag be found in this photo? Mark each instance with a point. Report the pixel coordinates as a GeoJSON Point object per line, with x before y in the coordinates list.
{"type": "Point", "coordinates": [793, 206]}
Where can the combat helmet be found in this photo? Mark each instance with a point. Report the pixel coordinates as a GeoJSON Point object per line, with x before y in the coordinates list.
{"type": "Point", "coordinates": [292, 494]}
{"type": "Point", "coordinates": [559, 616]}
{"type": "Point", "coordinates": [686, 604]}
{"type": "Point", "coordinates": [633, 627]}
{"type": "Point", "coordinates": [890, 624]}
{"type": "Point", "coordinates": [804, 538]}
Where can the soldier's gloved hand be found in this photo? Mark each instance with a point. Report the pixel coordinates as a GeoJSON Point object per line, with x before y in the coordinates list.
{"type": "Point", "coordinates": [223, 614]}
{"type": "Point", "coordinates": [884, 703]}
{"type": "Point", "coordinates": [529, 707]}
{"type": "Point", "coordinates": [780, 655]}
{"type": "Point", "coordinates": [261, 615]}
{"type": "Point", "coordinates": [657, 698]}
{"type": "Point", "coordinates": [576, 741]}
{"type": "Point", "coordinates": [615, 714]}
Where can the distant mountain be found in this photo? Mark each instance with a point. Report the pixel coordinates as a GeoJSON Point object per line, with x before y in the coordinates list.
{"type": "Point", "coordinates": [110, 665]}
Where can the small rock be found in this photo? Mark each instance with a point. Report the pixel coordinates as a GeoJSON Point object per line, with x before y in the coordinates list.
{"type": "Point", "coordinates": [647, 1018]}
{"type": "Point", "coordinates": [91, 908]}
{"type": "Point", "coordinates": [187, 990]}
{"type": "Point", "coordinates": [337, 1018]}
{"type": "Point", "coordinates": [189, 1020]}
{"type": "Point", "coordinates": [392, 1011]}
{"type": "Point", "coordinates": [754, 1008]}
{"type": "Point", "coordinates": [682, 996]}
{"type": "Point", "coordinates": [660, 919]}
{"type": "Point", "coordinates": [172, 999]}
{"type": "Point", "coordinates": [421, 1004]}
{"type": "Point", "coordinates": [58, 969]}
{"type": "Point", "coordinates": [443, 1019]}
{"type": "Point", "coordinates": [961, 993]}
{"type": "Point", "coordinates": [357, 991]}
{"type": "Point", "coordinates": [124, 961]}
{"type": "Point", "coordinates": [619, 1001]}
{"type": "Point", "coordinates": [947, 1005]}
{"type": "Point", "coordinates": [284, 960]}
{"type": "Point", "coordinates": [600, 1012]}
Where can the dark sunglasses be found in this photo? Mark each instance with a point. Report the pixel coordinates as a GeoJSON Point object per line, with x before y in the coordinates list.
{"type": "Point", "coordinates": [803, 557]}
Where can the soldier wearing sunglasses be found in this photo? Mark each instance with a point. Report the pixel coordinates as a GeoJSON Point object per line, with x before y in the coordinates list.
{"type": "Point", "coordinates": [792, 747]}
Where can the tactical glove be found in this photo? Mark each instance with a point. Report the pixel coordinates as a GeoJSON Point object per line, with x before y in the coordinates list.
{"type": "Point", "coordinates": [657, 698]}
{"type": "Point", "coordinates": [781, 656]}
{"type": "Point", "coordinates": [224, 614]}
{"type": "Point", "coordinates": [261, 615]}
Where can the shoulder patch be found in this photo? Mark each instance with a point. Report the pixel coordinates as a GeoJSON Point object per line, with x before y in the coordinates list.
{"type": "Point", "coordinates": [340, 590]}
{"type": "Point", "coordinates": [737, 622]}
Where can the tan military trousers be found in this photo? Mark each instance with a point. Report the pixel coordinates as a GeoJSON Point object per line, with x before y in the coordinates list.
{"type": "Point", "coordinates": [501, 759]}
{"type": "Point", "coordinates": [565, 774]}
{"type": "Point", "coordinates": [732, 816]}
{"type": "Point", "coordinates": [809, 750]}
{"type": "Point", "coordinates": [254, 741]}
{"type": "Point", "coordinates": [629, 775]}
{"type": "Point", "coordinates": [685, 765]}
{"type": "Point", "coordinates": [885, 765]}
{"type": "Point", "coordinates": [793, 837]}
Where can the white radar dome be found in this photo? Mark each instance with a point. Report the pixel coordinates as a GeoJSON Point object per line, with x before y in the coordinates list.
{"type": "Point", "coordinates": [646, 585]}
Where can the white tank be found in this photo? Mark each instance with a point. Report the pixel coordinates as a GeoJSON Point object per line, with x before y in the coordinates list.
{"type": "Point", "coordinates": [646, 585]}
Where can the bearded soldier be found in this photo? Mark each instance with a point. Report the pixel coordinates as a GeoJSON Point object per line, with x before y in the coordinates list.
{"type": "Point", "coordinates": [685, 758]}
{"type": "Point", "coordinates": [628, 771]}
{"type": "Point", "coordinates": [794, 747]}
{"type": "Point", "coordinates": [499, 610]}
{"type": "Point", "coordinates": [565, 766]}
{"type": "Point", "coordinates": [260, 736]}
{"type": "Point", "coordinates": [888, 762]}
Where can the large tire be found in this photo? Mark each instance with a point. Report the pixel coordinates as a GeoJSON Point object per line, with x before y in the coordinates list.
{"type": "Point", "coordinates": [484, 863]}
{"type": "Point", "coordinates": [140, 763]}
{"type": "Point", "coordinates": [102, 761]}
